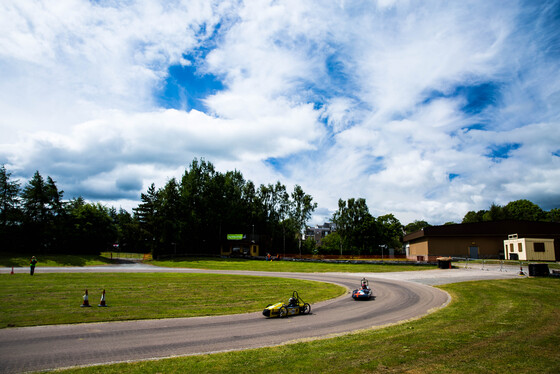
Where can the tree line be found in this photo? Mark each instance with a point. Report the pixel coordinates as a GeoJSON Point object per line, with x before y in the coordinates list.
{"type": "Point", "coordinates": [518, 210]}
{"type": "Point", "coordinates": [189, 216]}
{"type": "Point", "coordinates": [193, 216]}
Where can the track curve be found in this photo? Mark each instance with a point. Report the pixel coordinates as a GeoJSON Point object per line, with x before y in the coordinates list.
{"type": "Point", "coordinates": [49, 347]}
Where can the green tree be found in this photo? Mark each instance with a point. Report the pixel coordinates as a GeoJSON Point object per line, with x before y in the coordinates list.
{"type": "Point", "coordinates": [495, 213]}
{"type": "Point", "coordinates": [472, 216]}
{"type": "Point", "coordinates": [350, 219]}
{"type": "Point", "coordinates": [9, 199]}
{"type": "Point", "coordinates": [524, 210]}
{"type": "Point", "coordinates": [198, 195]}
{"type": "Point", "coordinates": [54, 197]}
{"type": "Point", "coordinates": [128, 231]}
{"type": "Point", "coordinates": [93, 228]}
{"type": "Point", "coordinates": [42, 207]}
{"type": "Point", "coordinates": [367, 236]}
{"type": "Point", "coordinates": [147, 214]}
{"type": "Point", "coordinates": [391, 231]}
{"type": "Point", "coordinates": [330, 244]}
{"type": "Point", "coordinates": [10, 212]}
{"type": "Point", "coordinates": [35, 199]}
{"type": "Point", "coordinates": [169, 219]}
{"type": "Point", "coordinates": [277, 216]}
{"type": "Point", "coordinates": [415, 226]}
{"type": "Point", "coordinates": [554, 215]}
{"type": "Point", "coordinates": [302, 206]}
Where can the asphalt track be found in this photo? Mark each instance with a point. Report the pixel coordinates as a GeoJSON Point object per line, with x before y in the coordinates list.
{"type": "Point", "coordinates": [398, 297]}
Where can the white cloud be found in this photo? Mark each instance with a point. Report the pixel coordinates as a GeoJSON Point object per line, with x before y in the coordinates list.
{"type": "Point", "coordinates": [365, 99]}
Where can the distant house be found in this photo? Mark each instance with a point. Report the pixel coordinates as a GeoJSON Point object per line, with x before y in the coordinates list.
{"type": "Point", "coordinates": [319, 232]}
{"type": "Point", "coordinates": [477, 240]}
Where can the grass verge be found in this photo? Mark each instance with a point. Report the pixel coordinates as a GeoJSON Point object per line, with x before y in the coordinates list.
{"type": "Point", "coordinates": [524, 263]}
{"type": "Point", "coordinates": [56, 298]}
{"type": "Point", "coordinates": [503, 326]}
{"type": "Point", "coordinates": [284, 266]}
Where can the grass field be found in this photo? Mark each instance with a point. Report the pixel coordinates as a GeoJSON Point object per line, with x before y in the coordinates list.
{"type": "Point", "coordinates": [285, 266]}
{"type": "Point", "coordinates": [216, 263]}
{"type": "Point", "coordinates": [505, 326]}
{"type": "Point", "coordinates": [56, 298]}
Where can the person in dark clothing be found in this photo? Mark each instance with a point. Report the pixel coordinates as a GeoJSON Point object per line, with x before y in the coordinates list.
{"type": "Point", "coordinates": [32, 265]}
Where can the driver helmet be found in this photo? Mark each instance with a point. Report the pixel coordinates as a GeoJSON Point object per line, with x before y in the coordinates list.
{"type": "Point", "coordinates": [292, 300]}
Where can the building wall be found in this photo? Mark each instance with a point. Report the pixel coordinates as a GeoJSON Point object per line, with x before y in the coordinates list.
{"type": "Point", "coordinates": [547, 255]}
{"type": "Point", "coordinates": [487, 247]}
{"type": "Point", "coordinates": [419, 248]}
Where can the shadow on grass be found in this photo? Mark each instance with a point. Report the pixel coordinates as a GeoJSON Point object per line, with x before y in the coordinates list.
{"type": "Point", "coordinates": [18, 260]}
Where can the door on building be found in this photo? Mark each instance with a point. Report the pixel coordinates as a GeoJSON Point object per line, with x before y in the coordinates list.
{"type": "Point", "coordinates": [473, 252]}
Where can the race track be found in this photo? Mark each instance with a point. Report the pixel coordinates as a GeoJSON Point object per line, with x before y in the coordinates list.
{"type": "Point", "coordinates": [49, 347]}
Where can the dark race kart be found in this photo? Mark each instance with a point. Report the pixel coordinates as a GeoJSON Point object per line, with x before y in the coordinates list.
{"type": "Point", "coordinates": [294, 306]}
{"type": "Point", "coordinates": [364, 292]}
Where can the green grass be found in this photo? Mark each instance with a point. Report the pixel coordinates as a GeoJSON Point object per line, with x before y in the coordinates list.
{"type": "Point", "coordinates": [284, 266]}
{"type": "Point", "coordinates": [56, 298]}
{"type": "Point", "coordinates": [9, 260]}
{"type": "Point", "coordinates": [503, 326]}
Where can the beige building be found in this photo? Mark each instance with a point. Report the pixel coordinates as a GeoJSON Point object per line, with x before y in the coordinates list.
{"type": "Point", "coordinates": [528, 249]}
{"type": "Point", "coordinates": [479, 240]}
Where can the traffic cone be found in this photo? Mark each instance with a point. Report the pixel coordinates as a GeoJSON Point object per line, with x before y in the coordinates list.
{"type": "Point", "coordinates": [12, 270]}
{"type": "Point", "coordinates": [102, 302]}
{"type": "Point", "coordinates": [86, 300]}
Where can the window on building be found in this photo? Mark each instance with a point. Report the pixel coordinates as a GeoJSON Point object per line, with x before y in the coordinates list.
{"type": "Point", "coordinates": [511, 247]}
{"type": "Point", "coordinates": [519, 247]}
{"type": "Point", "coordinates": [538, 247]}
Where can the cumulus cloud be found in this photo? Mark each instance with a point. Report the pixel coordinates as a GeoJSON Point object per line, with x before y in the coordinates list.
{"type": "Point", "coordinates": [426, 110]}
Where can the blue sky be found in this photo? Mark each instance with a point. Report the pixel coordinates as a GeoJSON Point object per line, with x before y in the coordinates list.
{"type": "Point", "coordinates": [425, 109]}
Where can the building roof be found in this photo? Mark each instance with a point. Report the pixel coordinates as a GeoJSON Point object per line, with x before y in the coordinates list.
{"type": "Point", "coordinates": [493, 228]}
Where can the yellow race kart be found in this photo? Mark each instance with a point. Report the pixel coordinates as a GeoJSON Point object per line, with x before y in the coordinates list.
{"type": "Point", "coordinates": [294, 306]}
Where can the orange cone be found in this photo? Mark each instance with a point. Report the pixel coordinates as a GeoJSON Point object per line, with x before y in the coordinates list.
{"type": "Point", "coordinates": [12, 270]}
{"type": "Point", "coordinates": [102, 302]}
{"type": "Point", "coordinates": [86, 300]}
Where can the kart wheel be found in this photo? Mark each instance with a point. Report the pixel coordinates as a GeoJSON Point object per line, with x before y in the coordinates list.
{"type": "Point", "coordinates": [306, 309]}
{"type": "Point", "coordinates": [283, 312]}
